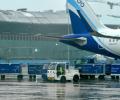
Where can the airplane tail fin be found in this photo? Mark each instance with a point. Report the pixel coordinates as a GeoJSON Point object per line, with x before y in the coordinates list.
{"type": "Point", "coordinates": [83, 19]}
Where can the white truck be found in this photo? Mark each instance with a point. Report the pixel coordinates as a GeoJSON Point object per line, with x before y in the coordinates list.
{"type": "Point", "coordinates": [60, 71]}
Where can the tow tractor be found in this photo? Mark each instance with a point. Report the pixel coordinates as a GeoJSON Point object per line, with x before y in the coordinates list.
{"type": "Point", "coordinates": [60, 71]}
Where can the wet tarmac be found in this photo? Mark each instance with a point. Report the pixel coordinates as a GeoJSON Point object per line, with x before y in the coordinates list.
{"type": "Point", "coordinates": [85, 90]}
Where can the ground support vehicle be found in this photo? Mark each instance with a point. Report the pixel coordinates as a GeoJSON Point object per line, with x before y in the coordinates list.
{"type": "Point", "coordinates": [61, 71]}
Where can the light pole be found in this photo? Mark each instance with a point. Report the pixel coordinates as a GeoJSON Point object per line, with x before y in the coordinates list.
{"type": "Point", "coordinates": [34, 52]}
{"type": "Point", "coordinates": [68, 48]}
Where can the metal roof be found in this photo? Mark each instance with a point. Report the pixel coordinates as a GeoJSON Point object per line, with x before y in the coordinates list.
{"type": "Point", "coordinates": [108, 15]}
{"type": "Point", "coordinates": [33, 17]}
{"type": "Point", "coordinates": [23, 21]}
{"type": "Point", "coordinates": [102, 10]}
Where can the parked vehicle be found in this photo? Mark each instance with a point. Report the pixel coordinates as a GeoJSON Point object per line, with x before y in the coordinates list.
{"type": "Point", "coordinates": [61, 71]}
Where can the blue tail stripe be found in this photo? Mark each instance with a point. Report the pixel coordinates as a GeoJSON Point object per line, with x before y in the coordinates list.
{"type": "Point", "coordinates": [79, 24]}
{"type": "Point", "coordinates": [88, 27]}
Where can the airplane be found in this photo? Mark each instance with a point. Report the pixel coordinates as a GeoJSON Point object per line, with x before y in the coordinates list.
{"type": "Point", "coordinates": [89, 33]}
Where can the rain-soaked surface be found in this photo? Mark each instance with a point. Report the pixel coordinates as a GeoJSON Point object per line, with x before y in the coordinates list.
{"type": "Point", "coordinates": [85, 90]}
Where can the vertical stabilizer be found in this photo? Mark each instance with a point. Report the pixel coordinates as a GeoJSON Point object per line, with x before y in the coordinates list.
{"type": "Point", "coordinates": [83, 18]}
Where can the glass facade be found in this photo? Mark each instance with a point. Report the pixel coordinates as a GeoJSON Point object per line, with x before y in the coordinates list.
{"type": "Point", "coordinates": [20, 33]}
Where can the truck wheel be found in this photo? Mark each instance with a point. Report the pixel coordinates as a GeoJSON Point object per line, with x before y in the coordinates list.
{"type": "Point", "coordinates": [117, 77]}
{"type": "Point", "coordinates": [63, 79]}
{"type": "Point", "coordinates": [75, 78]}
{"type": "Point", "coordinates": [113, 77]}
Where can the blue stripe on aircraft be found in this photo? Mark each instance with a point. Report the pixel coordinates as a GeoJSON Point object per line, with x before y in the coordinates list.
{"type": "Point", "coordinates": [88, 27]}
{"type": "Point", "coordinates": [79, 25]}
{"type": "Point", "coordinates": [91, 45]}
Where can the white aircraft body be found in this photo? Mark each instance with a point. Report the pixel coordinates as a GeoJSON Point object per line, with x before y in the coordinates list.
{"type": "Point", "coordinates": [89, 33]}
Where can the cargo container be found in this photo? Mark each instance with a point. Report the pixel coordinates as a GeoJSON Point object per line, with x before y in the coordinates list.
{"type": "Point", "coordinates": [90, 71]}
{"type": "Point", "coordinates": [115, 71]}
{"type": "Point", "coordinates": [10, 69]}
{"type": "Point", "coordinates": [35, 69]}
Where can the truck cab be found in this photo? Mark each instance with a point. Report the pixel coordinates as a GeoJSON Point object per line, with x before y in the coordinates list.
{"type": "Point", "coordinates": [60, 71]}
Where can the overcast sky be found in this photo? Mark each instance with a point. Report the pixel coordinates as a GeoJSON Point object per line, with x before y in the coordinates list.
{"type": "Point", "coordinates": [33, 5]}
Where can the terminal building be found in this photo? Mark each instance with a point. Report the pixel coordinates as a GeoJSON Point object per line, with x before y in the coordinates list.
{"type": "Point", "coordinates": [20, 33]}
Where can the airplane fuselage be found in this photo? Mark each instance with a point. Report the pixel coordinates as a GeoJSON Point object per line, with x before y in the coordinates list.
{"type": "Point", "coordinates": [89, 33]}
{"type": "Point", "coordinates": [100, 45]}
{"type": "Point", "coordinates": [110, 45]}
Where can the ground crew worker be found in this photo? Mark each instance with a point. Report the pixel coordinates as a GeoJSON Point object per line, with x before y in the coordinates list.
{"type": "Point", "coordinates": [60, 70]}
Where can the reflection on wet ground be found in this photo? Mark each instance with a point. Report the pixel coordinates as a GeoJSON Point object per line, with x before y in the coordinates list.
{"type": "Point", "coordinates": [85, 90]}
